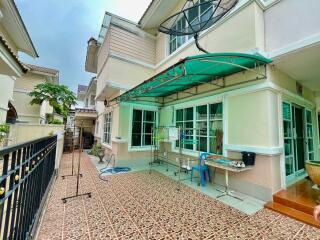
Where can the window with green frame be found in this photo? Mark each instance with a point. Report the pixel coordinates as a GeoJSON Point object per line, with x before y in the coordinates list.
{"type": "Point", "coordinates": [202, 124]}
{"type": "Point", "coordinates": [142, 123]}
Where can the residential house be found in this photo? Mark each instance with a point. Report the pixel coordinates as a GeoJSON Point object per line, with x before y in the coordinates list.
{"type": "Point", "coordinates": [259, 87]}
{"type": "Point", "coordinates": [25, 112]}
{"type": "Point", "coordinates": [85, 117]}
{"type": "Point", "coordinates": [14, 37]}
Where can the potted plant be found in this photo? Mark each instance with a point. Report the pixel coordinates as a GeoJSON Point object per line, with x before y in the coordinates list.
{"type": "Point", "coordinates": [98, 151]}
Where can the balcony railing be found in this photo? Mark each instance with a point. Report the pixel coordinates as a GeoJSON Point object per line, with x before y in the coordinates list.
{"type": "Point", "coordinates": [27, 170]}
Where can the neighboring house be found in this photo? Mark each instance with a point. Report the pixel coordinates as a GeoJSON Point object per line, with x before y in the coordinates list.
{"type": "Point", "coordinates": [85, 117]}
{"type": "Point", "coordinates": [14, 37]}
{"type": "Point", "coordinates": [267, 108]}
{"type": "Point", "coordinates": [25, 112]}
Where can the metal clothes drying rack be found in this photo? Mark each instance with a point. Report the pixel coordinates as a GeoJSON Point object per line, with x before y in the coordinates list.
{"type": "Point", "coordinates": [161, 134]}
{"type": "Point", "coordinates": [72, 164]}
{"type": "Point", "coordinates": [64, 200]}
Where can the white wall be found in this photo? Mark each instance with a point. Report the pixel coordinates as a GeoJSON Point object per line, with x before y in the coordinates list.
{"type": "Point", "coordinates": [290, 22]}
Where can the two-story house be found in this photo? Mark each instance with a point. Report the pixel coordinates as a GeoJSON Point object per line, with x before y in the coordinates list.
{"type": "Point", "coordinates": [258, 86]}
{"type": "Point", "coordinates": [24, 111]}
{"type": "Point", "coordinates": [85, 117]}
{"type": "Point", "coordinates": [14, 37]}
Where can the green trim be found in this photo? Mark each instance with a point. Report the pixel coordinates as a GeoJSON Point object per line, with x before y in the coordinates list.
{"type": "Point", "coordinates": [193, 71]}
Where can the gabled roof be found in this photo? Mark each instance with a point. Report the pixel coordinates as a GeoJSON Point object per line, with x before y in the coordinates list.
{"type": "Point", "coordinates": [14, 25]}
{"type": "Point", "coordinates": [157, 11]}
{"type": "Point", "coordinates": [147, 9]}
{"type": "Point", "coordinates": [14, 56]}
{"type": "Point", "coordinates": [46, 70]}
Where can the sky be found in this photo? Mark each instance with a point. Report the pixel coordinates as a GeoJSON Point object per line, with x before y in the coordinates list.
{"type": "Point", "coordinates": [60, 30]}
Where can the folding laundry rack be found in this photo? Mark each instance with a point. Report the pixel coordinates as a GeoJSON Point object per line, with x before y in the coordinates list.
{"type": "Point", "coordinates": [172, 158]}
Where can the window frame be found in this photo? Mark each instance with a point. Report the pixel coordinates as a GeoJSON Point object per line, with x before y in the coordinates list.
{"type": "Point", "coordinates": [186, 38]}
{"type": "Point", "coordinates": [105, 130]}
{"type": "Point", "coordinates": [142, 147]}
{"type": "Point", "coordinates": [195, 122]}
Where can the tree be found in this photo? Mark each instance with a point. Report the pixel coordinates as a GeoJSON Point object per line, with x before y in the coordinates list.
{"type": "Point", "coordinates": [60, 97]}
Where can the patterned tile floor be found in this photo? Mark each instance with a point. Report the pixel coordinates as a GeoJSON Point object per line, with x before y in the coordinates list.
{"type": "Point", "coordinates": [143, 206]}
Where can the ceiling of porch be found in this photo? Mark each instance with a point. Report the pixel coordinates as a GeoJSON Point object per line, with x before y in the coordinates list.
{"type": "Point", "coordinates": [303, 66]}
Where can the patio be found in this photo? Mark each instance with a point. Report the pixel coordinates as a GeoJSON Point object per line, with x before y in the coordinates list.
{"type": "Point", "coordinates": [142, 206]}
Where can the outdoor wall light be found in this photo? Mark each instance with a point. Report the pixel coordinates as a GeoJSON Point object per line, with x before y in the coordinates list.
{"type": "Point", "coordinates": [106, 103]}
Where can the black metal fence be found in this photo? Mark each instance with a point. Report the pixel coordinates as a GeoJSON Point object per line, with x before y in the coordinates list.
{"type": "Point", "coordinates": [27, 170]}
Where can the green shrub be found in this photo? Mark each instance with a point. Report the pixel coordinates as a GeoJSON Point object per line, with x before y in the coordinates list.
{"type": "Point", "coordinates": [56, 121]}
{"type": "Point", "coordinates": [4, 131]}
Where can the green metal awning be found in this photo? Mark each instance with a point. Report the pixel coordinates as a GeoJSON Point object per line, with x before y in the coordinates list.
{"type": "Point", "coordinates": [193, 71]}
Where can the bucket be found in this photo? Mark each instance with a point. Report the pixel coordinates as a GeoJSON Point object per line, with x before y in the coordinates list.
{"type": "Point", "coordinates": [248, 158]}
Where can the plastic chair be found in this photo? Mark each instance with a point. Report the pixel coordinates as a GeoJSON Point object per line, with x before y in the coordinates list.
{"type": "Point", "coordinates": [203, 169]}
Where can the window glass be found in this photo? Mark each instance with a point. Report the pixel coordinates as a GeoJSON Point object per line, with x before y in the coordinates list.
{"type": "Point", "coordinates": [204, 132]}
{"type": "Point", "coordinates": [216, 111]}
{"type": "Point", "coordinates": [205, 6]}
{"type": "Point", "coordinates": [309, 118]}
{"type": "Point", "coordinates": [179, 115]}
{"type": "Point", "coordinates": [149, 116]}
{"type": "Point", "coordinates": [201, 112]}
{"type": "Point", "coordinates": [202, 128]}
{"type": "Point", "coordinates": [107, 128]}
{"type": "Point", "coordinates": [137, 115]}
{"type": "Point", "coordinates": [188, 114]}
{"type": "Point", "coordinates": [136, 139]}
{"type": "Point", "coordinates": [206, 15]}
{"type": "Point", "coordinates": [193, 13]}
{"type": "Point", "coordinates": [143, 122]}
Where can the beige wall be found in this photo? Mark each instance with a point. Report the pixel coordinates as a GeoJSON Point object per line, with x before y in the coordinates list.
{"type": "Point", "coordinates": [100, 108]}
{"type": "Point", "coordinates": [253, 119]}
{"type": "Point", "coordinates": [122, 73]}
{"type": "Point", "coordinates": [301, 22]}
{"type": "Point", "coordinates": [27, 112]}
{"type": "Point", "coordinates": [285, 81]}
{"type": "Point", "coordinates": [262, 181]}
{"type": "Point", "coordinates": [241, 33]}
{"type": "Point", "coordinates": [20, 133]}
{"type": "Point", "coordinates": [25, 132]}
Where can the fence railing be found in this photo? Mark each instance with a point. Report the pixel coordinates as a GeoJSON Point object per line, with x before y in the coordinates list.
{"type": "Point", "coordinates": [27, 170]}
